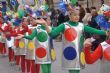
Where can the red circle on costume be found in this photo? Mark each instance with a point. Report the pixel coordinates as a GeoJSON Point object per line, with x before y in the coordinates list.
{"type": "Point", "coordinates": [107, 54]}
{"type": "Point", "coordinates": [70, 34]}
{"type": "Point", "coordinates": [40, 52]}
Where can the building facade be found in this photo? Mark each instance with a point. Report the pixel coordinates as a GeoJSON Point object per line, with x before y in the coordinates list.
{"type": "Point", "coordinates": [84, 3]}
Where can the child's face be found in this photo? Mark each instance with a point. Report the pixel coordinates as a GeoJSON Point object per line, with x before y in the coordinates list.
{"type": "Point", "coordinates": [1, 20]}
{"type": "Point", "coordinates": [25, 22]}
{"type": "Point", "coordinates": [74, 16]}
{"type": "Point", "coordinates": [32, 21]}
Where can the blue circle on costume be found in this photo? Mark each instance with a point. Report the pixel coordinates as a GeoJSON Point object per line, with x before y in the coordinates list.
{"type": "Point", "coordinates": [70, 53]}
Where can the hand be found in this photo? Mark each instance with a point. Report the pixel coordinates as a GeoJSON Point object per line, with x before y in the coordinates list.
{"type": "Point", "coordinates": [88, 42]}
{"type": "Point", "coordinates": [19, 36]}
{"type": "Point", "coordinates": [108, 33]}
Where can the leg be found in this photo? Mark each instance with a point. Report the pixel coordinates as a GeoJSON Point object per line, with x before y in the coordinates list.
{"type": "Point", "coordinates": [12, 55]}
{"type": "Point", "coordinates": [23, 63]}
{"type": "Point", "coordinates": [37, 68]}
{"type": "Point", "coordinates": [33, 66]}
{"type": "Point", "coordinates": [17, 60]}
{"type": "Point", "coordinates": [49, 68]}
{"type": "Point", "coordinates": [74, 71]}
{"type": "Point", "coordinates": [4, 48]}
{"type": "Point", "coordinates": [28, 65]}
{"type": "Point", "coordinates": [9, 54]}
{"type": "Point", "coordinates": [1, 48]}
{"type": "Point", "coordinates": [46, 68]}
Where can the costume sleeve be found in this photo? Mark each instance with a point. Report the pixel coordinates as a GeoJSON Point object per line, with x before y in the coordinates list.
{"type": "Point", "coordinates": [5, 29]}
{"type": "Point", "coordinates": [2, 30]}
{"type": "Point", "coordinates": [93, 57]}
{"type": "Point", "coordinates": [31, 37]}
{"type": "Point", "coordinates": [12, 33]}
{"type": "Point", "coordinates": [56, 30]}
{"type": "Point", "coordinates": [94, 31]}
{"type": "Point", "coordinates": [25, 29]}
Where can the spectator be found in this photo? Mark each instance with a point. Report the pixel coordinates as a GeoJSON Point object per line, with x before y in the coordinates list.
{"type": "Point", "coordinates": [87, 19]}
{"type": "Point", "coordinates": [82, 13]}
{"type": "Point", "coordinates": [87, 16]}
{"type": "Point", "coordinates": [94, 14]}
{"type": "Point", "coordinates": [61, 18]}
{"type": "Point", "coordinates": [52, 17]}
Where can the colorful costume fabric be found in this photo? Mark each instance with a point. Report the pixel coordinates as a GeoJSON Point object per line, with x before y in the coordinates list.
{"type": "Point", "coordinates": [30, 54]}
{"type": "Point", "coordinates": [71, 48]}
{"type": "Point", "coordinates": [42, 51]}
{"type": "Point", "coordinates": [102, 51]}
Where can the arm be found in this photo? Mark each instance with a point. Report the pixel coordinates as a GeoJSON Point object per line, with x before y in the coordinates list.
{"type": "Point", "coordinates": [92, 57]}
{"type": "Point", "coordinates": [5, 29]}
{"type": "Point", "coordinates": [94, 31]}
{"type": "Point", "coordinates": [55, 31]}
{"type": "Point", "coordinates": [31, 37]}
{"type": "Point", "coordinates": [12, 33]}
{"type": "Point", "coordinates": [25, 29]}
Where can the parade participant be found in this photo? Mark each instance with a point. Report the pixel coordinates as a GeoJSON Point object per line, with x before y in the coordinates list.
{"type": "Point", "coordinates": [16, 31]}
{"type": "Point", "coordinates": [23, 43]}
{"type": "Point", "coordinates": [30, 55]}
{"type": "Point", "coordinates": [101, 52]}
{"type": "Point", "coordinates": [2, 39]}
{"type": "Point", "coordinates": [103, 49]}
{"type": "Point", "coordinates": [72, 30]}
{"type": "Point", "coordinates": [6, 29]}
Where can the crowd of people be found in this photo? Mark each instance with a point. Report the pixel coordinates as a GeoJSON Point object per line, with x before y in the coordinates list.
{"type": "Point", "coordinates": [28, 37]}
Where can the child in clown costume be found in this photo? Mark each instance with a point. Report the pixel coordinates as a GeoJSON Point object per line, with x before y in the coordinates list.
{"type": "Point", "coordinates": [2, 39]}
{"type": "Point", "coordinates": [6, 30]}
{"type": "Point", "coordinates": [30, 55]}
{"type": "Point", "coordinates": [72, 30]}
{"type": "Point", "coordinates": [16, 31]}
{"type": "Point", "coordinates": [103, 50]}
{"type": "Point", "coordinates": [23, 43]}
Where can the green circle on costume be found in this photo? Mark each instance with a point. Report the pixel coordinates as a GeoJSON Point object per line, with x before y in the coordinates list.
{"type": "Point", "coordinates": [42, 36]}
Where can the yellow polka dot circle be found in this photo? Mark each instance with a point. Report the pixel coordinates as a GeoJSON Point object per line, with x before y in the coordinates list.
{"type": "Point", "coordinates": [31, 45]}
{"type": "Point", "coordinates": [82, 58]}
{"type": "Point", "coordinates": [21, 44]}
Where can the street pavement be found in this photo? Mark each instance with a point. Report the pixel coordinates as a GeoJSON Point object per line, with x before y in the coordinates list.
{"type": "Point", "coordinates": [56, 66]}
